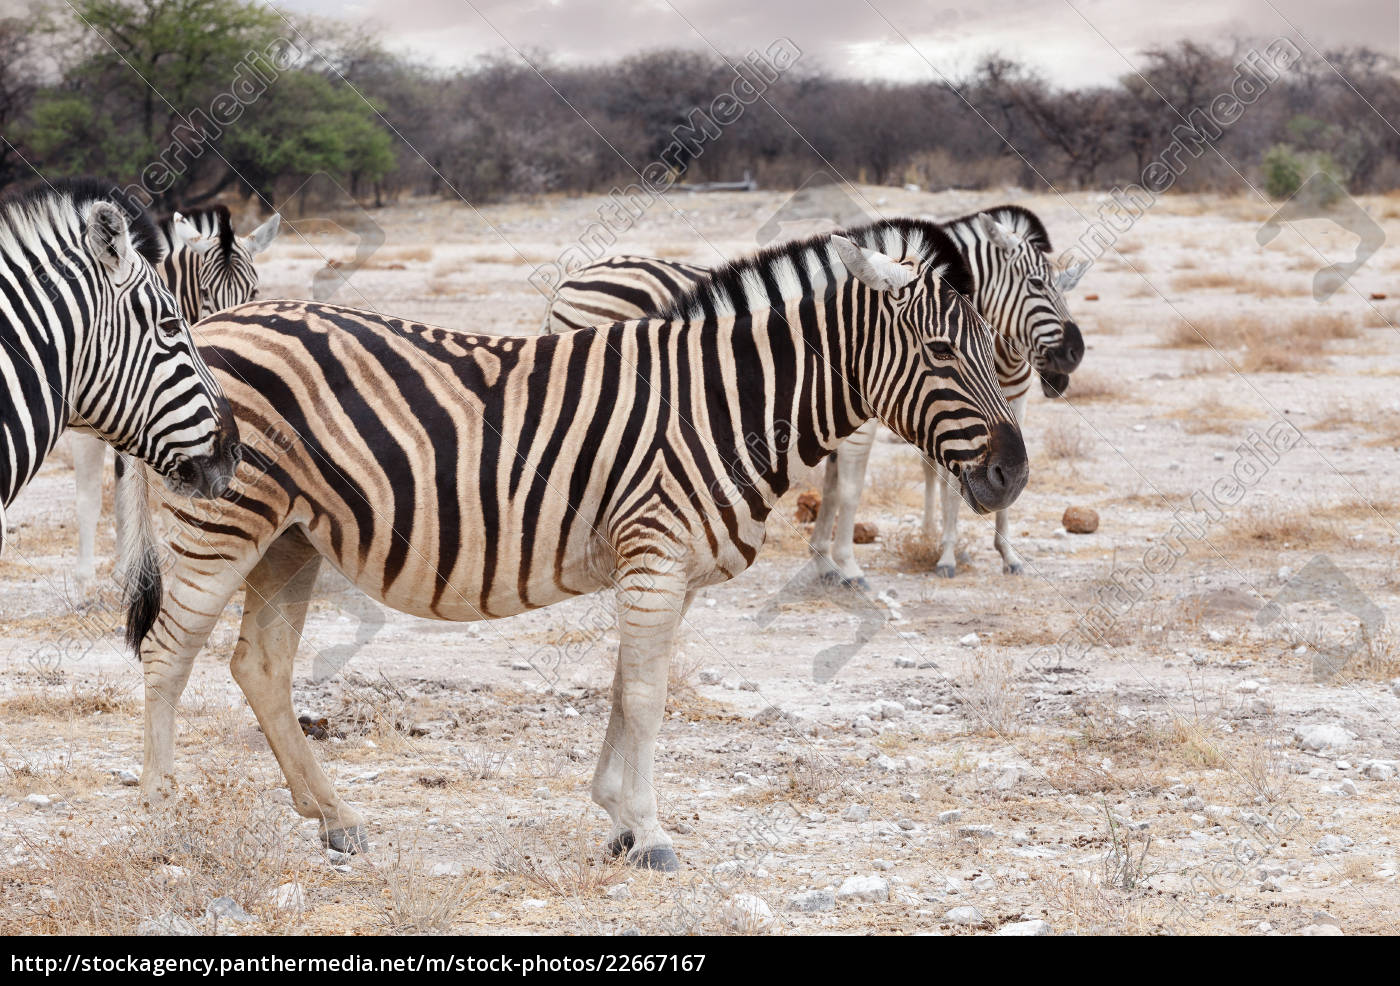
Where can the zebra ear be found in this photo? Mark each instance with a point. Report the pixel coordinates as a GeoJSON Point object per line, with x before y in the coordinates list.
{"type": "Point", "coordinates": [108, 240]}
{"type": "Point", "coordinates": [1006, 240]}
{"type": "Point", "coordinates": [1070, 277]}
{"type": "Point", "coordinates": [261, 238]}
{"type": "Point", "coordinates": [871, 267]}
{"type": "Point", "coordinates": [189, 236]}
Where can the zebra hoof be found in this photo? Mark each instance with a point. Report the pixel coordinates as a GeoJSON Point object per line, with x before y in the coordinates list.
{"type": "Point", "coordinates": [944, 571]}
{"type": "Point", "coordinates": [663, 859]}
{"type": "Point", "coordinates": [1011, 569]}
{"type": "Point", "coordinates": [351, 840]}
{"type": "Point", "coordinates": [859, 582]}
{"type": "Point", "coordinates": [621, 844]}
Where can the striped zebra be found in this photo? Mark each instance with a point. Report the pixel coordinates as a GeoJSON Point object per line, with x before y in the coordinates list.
{"type": "Point", "coordinates": [207, 268]}
{"type": "Point", "coordinates": [1015, 287]}
{"type": "Point", "coordinates": [90, 339]}
{"type": "Point", "coordinates": [467, 477]}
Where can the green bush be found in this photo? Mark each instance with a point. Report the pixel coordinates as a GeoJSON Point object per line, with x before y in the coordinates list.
{"type": "Point", "coordinates": [1283, 172]}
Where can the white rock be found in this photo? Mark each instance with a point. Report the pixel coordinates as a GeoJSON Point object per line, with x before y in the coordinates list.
{"type": "Point", "coordinates": [542, 793]}
{"type": "Point", "coordinates": [227, 909]}
{"type": "Point", "coordinates": [949, 817]}
{"type": "Point", "coordinates": [812, 901]}
{"type": "Point", "coordinates": [127, 778]}
{"type": "Point", "coordinates": [709, 676]}
{"type": "Point", "coordinates": [1322, 931]}
{"type": "Point", "coordinates": [864, 888]}
{"type": "Point", "coordinates": [38, 800]}
{"type": "Point", "coordinates": [984, 884]}
{"type": "Point", "coordinates": [1323, 737]}
{"type": "Point", "coordinates": [856, 813]}
{"type": "Point", "coordinates": [1025, 929]}
{"type": "Point", "coordinates": [971, 640]}
{"type": "Point", "coordinates": [450, 868]}
{"type": "Point", "coordinates": [964, 914]}
{"type": "Point", "coordinates": [618, 891]}
{"type": "Point", "coordinates": [976, 831]}
{"type": "Point", "coordinates": [745, 912]}
{"type": "Point", "coordinates": [166, 925]}
{"type": "Point", "coordinates": [1376, 771]}
{"type": "Point", "coordinates": [1332, 843]}
{"type": "Point", "coordinates": [289, 897]}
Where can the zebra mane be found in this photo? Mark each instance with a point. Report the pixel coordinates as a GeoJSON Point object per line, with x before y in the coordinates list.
{"type": "Point", "coordinates": [214, 220]}
{"type": "Point", "coordinates": [38, 208]}
{"type": "Point", "coordinates": [1018, 219]}
{"type": "Point", "coordinates": [750, 283]}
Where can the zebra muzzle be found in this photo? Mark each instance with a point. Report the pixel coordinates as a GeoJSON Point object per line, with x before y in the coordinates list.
{"type": "Point", "coordinates": [996, 481]}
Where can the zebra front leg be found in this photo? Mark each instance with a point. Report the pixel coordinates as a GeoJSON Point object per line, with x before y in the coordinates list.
{"type": "Point", "coordinates": [950, 500]}
{"type": "Point", "coordinates": [274, 612]}
{"type": "Point", "coordinates": [825, 527]}
{"type": "Point", "coordinates": [651, 600]}
{"type": "Point", "coordinates": [89, 456]}
{"type": "Point", "coordinates": [1010, 560]}
{"type": "Point", "coordinates": [854, 455]}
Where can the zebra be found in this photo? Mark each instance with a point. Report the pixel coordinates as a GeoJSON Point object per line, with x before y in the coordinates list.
{"type": "Point", "coordinates": [207, 268]}
{"type": "Point", "coordinates": [90, 339]}
{"type": "Point", "coordinates": [1015, 287]}
{"type": "Point", "coordinates": [464, 477]}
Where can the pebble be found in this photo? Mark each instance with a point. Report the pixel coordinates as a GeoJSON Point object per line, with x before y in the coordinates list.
{"type": "Point", "coordinates": [38, 800]}
{"type": "Point", "coordinates": [1323, 737]}
{"type": "Point", "coordinates": [618, 891]}
{"type": "Point", "coordinates": [1080, 520]}
{"type": "Point", "coordinates": [984, 884]}
{"type": "Point", "coordinates": [813, 901]}
{"type": "Point", "coordinates": [709, 676]}
{"type": "Point", "coordinates": [166, 925]}
{"type": "Point", "coordinates": [1332, 842]}
{"type": "Point", "coordinates": [227, 909]}
{"type": "Point", "coordinates": [127, 778]}
{"type": "Point", "coordinates": [905, 662]}
{"type": "Point", "coordinates": [450, 868]}
{"type": "Point", "coordinates": [976, 831]}
{"type": "Point", "coordinates": [971, 640]}
{"type": "Point", "coordinates": [1025, 929]}
{"type": "Point", "coordinates": [949, 817]}
{"type": "Point", "coordinates": [1322, 931]}
{"type": "Point", "coordinates": [964, 914]}
{"type": "Point", "coordinates": [745, 912]}
{"type": "Point", "coordinates": [1376, 771]}
{"type": "Point", "coordinates": [864, 888]}
{"type": "Point", "coordinates": [289, 897]}
{"type": "Point", "coordinates": [542, 793]}
{"type": "Point", "coordinates": [856, 813]}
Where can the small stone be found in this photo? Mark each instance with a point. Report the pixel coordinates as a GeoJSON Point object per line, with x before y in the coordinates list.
{"type": "Point", "coordinates": [856, 813]}
{"type": "Point", "coordinates": [976, 831]}
{"type": "Point", "coordinates": [450, 868]}
{"type": "Point", "coordinates": [289, 897]}
{"type": "Point", "coordinates": [905, 662]}
{"type": "Point", "coordinates": [38, 800]}
{"type": "Point", "coordinates": [167, 925]}
{"type": "Point", "coordinates": [520, 665]}
{"type": "Point", "coordinates": [864, 888]}
{"type": "Point", "coordinates": [618, 891]}
{"type": "Point", "coordinates": [865, 533]}
{"type": "Point", "coordinates": [813, 901]}
{"type": "Point", "coordinates": [709, 676]}
{"type": "Point", "coordinates": [971, 640]}
{"type": "Point", "coordinates": [1333, 843]}
{"type": "Point", "coordinates": [745, 912]}
{"type": "Point", "coordinates": [1249, 686]}
{"type": "Point", "coordinates": [1348, 788]}
{"type": "Point", "coordinates": [964, 914]}
{"type": "Point", "coordinates": [541, 792]}
{"type": "Point", "coordinates": [1323, 737]}
{"type": "Point", "coordinates": [1322, 931]}
{"type": "Point", "coordinates": [949, 817]}
{"type": "Point", "coordinates": [1377, 771]}
{"type": "Point", "coordinates": [907, 824]}
{"type": "Point", "coordinates": [809, 503]}
{"type": "Point", "coordinates": [1080, 520]}
{"type": "Point", "coordinates": [1025, 929]}
{"type": "Point", "coordinates": [939, 710]}
{"type": "Point", "coordinates": [227, 909]}
{"type": "Point", "coordinates": [1322, 917]}
{"type": "Point", "coordinates": [127, 778]}
{"type": "Point", "coordinates": [984, 884]}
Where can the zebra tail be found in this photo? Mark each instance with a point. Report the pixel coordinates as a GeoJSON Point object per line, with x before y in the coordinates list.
{"type": "Point", "coordinates": [138, 562]}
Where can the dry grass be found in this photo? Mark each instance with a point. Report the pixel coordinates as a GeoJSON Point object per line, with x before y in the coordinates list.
{"type": "Point", "coordinates": [1213, 416]}
{"type": "Point", "coordinates": [898, 484]}
{"type": "Point", "coordinates": [71, 702]}
{"type": "Point", "coordinates": [1276, 525]}
{"type": "Point", "coordinates": [1381, 317]}
{"type": "Point", "coordinates": [1066, 442]}
{"type": "Point", "coordinates": [219, 838]}
{"type": "Point", "coordinates": [1092, 387]}
{"type": "Point", "coordinates": [1217, 280]}
{"type": "Point", "coordinates": [911, 551]}
{"type": "Point", "coordinates": [992, 696]}
{"type": "Point", "coordinates": [581, 873]}
{"type": "Point", "coordinates": [423, 904]}
{"type": "Point", "coordinates": [1270, 345]}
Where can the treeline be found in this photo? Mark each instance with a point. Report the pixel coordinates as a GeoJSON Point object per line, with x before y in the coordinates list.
{"type": "Point", "coordinates": [194, 98]}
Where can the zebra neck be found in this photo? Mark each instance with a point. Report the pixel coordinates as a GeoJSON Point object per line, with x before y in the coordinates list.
{"type": "Point", "coordinates": [793, 396]}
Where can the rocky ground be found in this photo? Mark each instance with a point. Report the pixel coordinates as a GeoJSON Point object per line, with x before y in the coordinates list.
{"type": "Point", "coordinates": [1125, 738]}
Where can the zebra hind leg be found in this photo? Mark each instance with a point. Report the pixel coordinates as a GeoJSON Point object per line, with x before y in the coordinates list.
{"type": "Point", "coordinates": [274, 612]}
{"type": "Point", "coordinates": [950, 500]}
{"type": "Point", "coordinates": [1010, 560]}
{"type": "Point", "coordinates": [89, 456]}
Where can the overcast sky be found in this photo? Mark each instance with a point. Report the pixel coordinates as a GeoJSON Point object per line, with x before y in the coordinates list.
{"type": "Point", "coordinates": [1072, 41]}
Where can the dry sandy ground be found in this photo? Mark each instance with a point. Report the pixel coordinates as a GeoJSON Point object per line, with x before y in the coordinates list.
{"type": "Point", "coordinates": [1153, 783]}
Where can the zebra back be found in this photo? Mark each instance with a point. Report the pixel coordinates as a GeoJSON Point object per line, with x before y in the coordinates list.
{"type": "Point", "coordinates": [618, 289]}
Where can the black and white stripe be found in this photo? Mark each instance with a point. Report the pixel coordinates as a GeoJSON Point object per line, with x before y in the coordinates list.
{"type": "Point", "coordinates": [468, 477]}
{"type": "Point", "coordinates": [208, 268]}
{"type": "Point", "coordinates": [91, 339]}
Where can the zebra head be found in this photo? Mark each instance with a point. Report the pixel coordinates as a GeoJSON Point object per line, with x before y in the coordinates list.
{"type": "Point", "coordinates": [223, 270]}
{"type": "Point", "coordinates": [1021, 292]}
{"type": "Point", "coordinates": [936, 385]}
{"type": "Point", "coordinates": [140, 383]}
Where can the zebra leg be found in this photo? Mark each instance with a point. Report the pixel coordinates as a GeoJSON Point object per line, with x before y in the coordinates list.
{"type": "Point", "coordinates": [854, 455]}
{"type": "Point", "coordinates": [950, 500]}
{"type": "Point", "coordinates": [825, 527]}
{"type": "Point", "coordinates": [89, 456]}
{"type": "Point", "coordinates": [274, 612]}
{"type": "Point", "coordinates": [1010, 560]}
{"type": "Point", "coordinates": [651, 599]}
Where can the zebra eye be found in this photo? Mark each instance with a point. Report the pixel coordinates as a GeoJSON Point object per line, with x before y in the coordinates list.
{"type": "Point", "coordinates": [171, 326]}
{"type": "Point", "coordinates": [941, 351]}
{"type": "Point", "coordinates": [1037, 282]}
